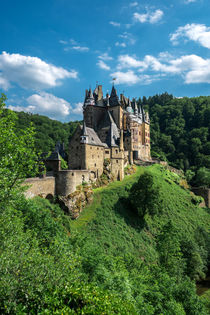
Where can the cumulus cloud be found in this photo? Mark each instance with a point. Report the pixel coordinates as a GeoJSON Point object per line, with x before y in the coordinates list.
{"type": "Point", "coordinates": [45, 104]}
{"type": "Point", "coordinates": [118, 44]}
{"type": "Point", "coordinates": [78, 108]}
{"type": "Point", "coordinates": [190, 1]}
{"type": "Point", "coordinates": [149, 17]}
{"type": "Point", "coordinates": [126, 61]}
{"type": "Point", "coordinates": [4, 83]}
{"type": "Point", "coordinates": [133, 4]}
{"type": "Point", "coordinates": [48, 104]}
{"type": "Point", "coordinates": [128, 38]}
{"type": "Point", "coordinates": [128, 77]}
{"type": "Point", "coordinates": [101, 64]}
{"type": "Point", "coordinates": [116, 24]}
{"type": "Point", "coordinates": [105, 57]}
{"type": "Point", "coordinates": [31, 72]}
{"type": "Point", "coordinates": [80, 48]}
{"type": "Point", "coordinates": [197, 32]}
{"type": "Point", "coordinates": [101, 61]}
{"type": "Point", "coordinates": [193, 68]}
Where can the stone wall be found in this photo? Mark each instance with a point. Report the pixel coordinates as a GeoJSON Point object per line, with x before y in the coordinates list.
{"type": "Point", "coordinates": [76, 151]}
{"type": "Point", "coordinates": [204, 192]}
{"type": "Point", "coordinates": [117, 163]}
{"type": "Point", "coordinates": [94, 156]}
{"type": "Point", "coordinates": [68, 180]}
{"type": "Point", "coordinates": [43, 187]}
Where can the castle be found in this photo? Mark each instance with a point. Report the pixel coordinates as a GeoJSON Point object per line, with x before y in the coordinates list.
{"type": "Point", "coordinates": [115, 129]}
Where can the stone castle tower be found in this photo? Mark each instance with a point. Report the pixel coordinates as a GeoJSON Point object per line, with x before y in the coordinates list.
{"type": "Point", "coordinates": [115, 129]}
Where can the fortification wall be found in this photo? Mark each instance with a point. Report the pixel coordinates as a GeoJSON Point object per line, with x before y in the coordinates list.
{"type": "Point", "coordinates": [204, 192]}
{"type": "Point", "coordinates": [68, 180]}
{"type": "Point", "coordinates": [43, 187]}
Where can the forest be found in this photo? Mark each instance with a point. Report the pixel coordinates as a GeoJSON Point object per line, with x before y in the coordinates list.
{"type": "Point", "coordinates": [138, 248]}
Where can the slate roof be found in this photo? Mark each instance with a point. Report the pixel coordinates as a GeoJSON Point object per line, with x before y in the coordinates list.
{"type": "Point", "coordinates": [92, 136]}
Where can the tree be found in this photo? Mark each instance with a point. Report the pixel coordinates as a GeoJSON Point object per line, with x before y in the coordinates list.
{"type": "Point", "coordinates": [145, 196]}
{"type": "Point", "coordinates": [17, 154]}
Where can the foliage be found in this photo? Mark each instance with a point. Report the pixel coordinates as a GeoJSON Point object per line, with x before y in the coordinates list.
{"type": "Point", "coordinates": [180, 130]}
{"type": "Point", "coordinates": [48, 131]}
{"type": "Point", "coordinates": [64, 165]}
{"type": "Point", "coordinates": [145, 196]}
{"type": "Point", "coordinates": [148, 259]}
{"type": "Point", "coordinates": [17, 152]}
{"type": "Point", "coordinates": [114, 259]}
{"type": "Point", "coordinates": [202, 177]}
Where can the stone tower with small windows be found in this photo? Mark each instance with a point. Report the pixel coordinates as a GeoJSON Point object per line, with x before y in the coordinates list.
{"type": "Point", "coordinates": [115, 129]}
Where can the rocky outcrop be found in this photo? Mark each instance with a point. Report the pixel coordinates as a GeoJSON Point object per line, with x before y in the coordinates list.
{"type": "Point", "coordinates": [74, 203]}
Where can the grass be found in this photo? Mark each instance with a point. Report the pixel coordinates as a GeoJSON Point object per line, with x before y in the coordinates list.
{"type": "Point", "coordinates": [111, 223]}
{"type": "Point", "coordinates": [89, 212]}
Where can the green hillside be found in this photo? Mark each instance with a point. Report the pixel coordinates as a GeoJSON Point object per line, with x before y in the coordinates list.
{"type": "Point", "coordinates": [115, 259]}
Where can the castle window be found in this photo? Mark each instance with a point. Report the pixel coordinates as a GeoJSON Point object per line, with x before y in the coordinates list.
{"type": "Point", "coordinates": [90, 147]}
{"type": "Point", "coordinates": [92, 156]}
{"type": "Point", "coordinates": [116, 161]}
{"type": "Point", "coordinates": [95, 164]}
{"type": "Point", "coordinates": [72, 174]}
{"type": "Point", "coordinates": [107, 152]}
{"type": "Point", "coordinates": [116, 151]}
{"type": "Point", "coordinates": [97, 148]}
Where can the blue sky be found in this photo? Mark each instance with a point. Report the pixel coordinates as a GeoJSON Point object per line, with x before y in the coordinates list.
{"type": "Point", "coordinates": [52, 50]}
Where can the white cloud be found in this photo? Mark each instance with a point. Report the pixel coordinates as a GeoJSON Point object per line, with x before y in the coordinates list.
{"type": "Point", "coordinates": [133, 4]}
{"type": "Point", "coordinates": [101, 64]}
{"type": "Point", "coordinates": [128, 37]}
{"type": "Point", "coordinates": [45, 104]}
{"type": "Point", "coordinates": [73, 42]}
{"type": "Point", "coordinates": [128, 77]}
{"type": "Point", "coordinates": [193, 68]}
{"type": "Point", "coordinates": [149, 17]}
{"type": "Point", "coordinates": [63, 42]}
{"type": "Point", "coordinates": [80, 48]}
{"type": "Point", "coordinates": [31, 72]}
{"type": "Point", "coordinates": [48, 104]}
{"type": "Point", "coordinates": [4, 83]}
{"type": "Point", "coordinates": [78, 109]}
{"type": "Point", "coordinates": [126, 61]}
{"type": "Point", "coordinates": [197, 32]}
{"type": "Point", "coordinates": [118, 44]}
{"type": "Point", "coordinates": [116, 24]}
{"type": "Point", "coordinates": [190, 1]}
{"type": "Point", "coordinates": [105, 57]}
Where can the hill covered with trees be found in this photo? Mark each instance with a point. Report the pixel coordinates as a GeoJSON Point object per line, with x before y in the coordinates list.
{"type": "Point", "coordinates": [180, 133]}
{"type": "Point", "coordinates": [48, 131]}
{"type": "Point", "coordinates": [124, 255]}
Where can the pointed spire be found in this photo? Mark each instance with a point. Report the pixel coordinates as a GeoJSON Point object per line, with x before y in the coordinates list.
{"type": "Point", "coordinates": [89, 99]}
{"type": "Point", "coordinates": [129, 108]}
{"type": "Point", "coordinates": [114, 99]}
{"type": "Point", "coordinates": [84, 136]}
{"type": "Point", "coordinates": [107, 99]}
{"type": "Point", "coordinates": [84, 129]}
{"type": "Point", "coordinates": [135, 107]}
